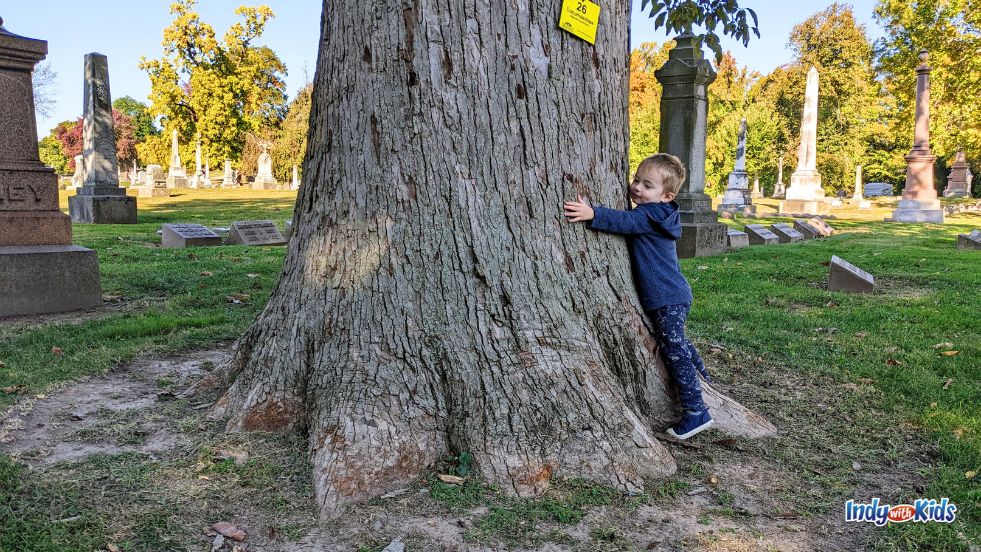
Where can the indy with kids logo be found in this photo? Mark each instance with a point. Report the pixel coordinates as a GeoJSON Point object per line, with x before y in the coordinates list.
{"type": "Point", "coordinates": [923, 510]}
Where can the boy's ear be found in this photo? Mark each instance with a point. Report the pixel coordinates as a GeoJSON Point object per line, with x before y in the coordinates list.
{"type": "Point", "coordinates": [669, 196]}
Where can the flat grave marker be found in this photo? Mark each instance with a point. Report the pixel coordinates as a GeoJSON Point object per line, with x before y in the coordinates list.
{"type": "Point", "coordinates": [761, 235]}
{"type": "Point", "coordinates": [970, 241]}
{"type": "Point", "coordinates": [786, 233]}
{"type": "Point", "coordinates": [187, 235]}
{"type": "Point", "coordinates": [255, 232]}
{"type": "Point", "coordinates": [736, 239]}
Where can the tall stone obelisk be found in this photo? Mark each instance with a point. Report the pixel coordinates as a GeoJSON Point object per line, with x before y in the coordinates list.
{"type": "Point", "coordinates": [684, 107]}
{"type": "Point", "coordinates": [100, 200]}
{"type": "Point", "coordinates": [805, 194]}
{"type": "Point", "coordinates": [778, 190]}
{"type": "Point", "coordinates": [919, 202]}
{"type": "Point", "coordinates": [40, 270]}
{"type": "Point", "coordinates": [176, 175]}
{"type": "Point", "coordinates": [737, 196]}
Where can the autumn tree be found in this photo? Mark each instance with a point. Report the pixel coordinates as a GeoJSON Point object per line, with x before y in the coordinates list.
{"type": "Point", "coordinates": [432, 299]}
{"type": "Point", "coordinates": [645, 99]}
{"type": "Point", "coordinates": [951, 31]}
{"type": "Point", "coordinates": [49, 149]}
{"type": "Point", "coordinates": [291, 139]}
{"type": "Point", "coordinates": [69, 135]}
{"type": "Point", "coordinates": [220, 89]}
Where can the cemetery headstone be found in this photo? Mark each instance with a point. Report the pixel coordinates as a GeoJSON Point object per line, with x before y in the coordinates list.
{"type": "Point", "coordinates": [228, 176]}
{"type": "Point", "coordinates": [786, 233]}
{"type": "Point", "coordinates": [176, 175]}
{"type": "Point", "coordinates": [197, 179]}
{"type": "Point", "coordinates": [857, 195]}
{"type": "Point", "coordinates": [154, 183]}
{"type": "Point", "coordinates": [79, 177]}
{"type": "Point", "coordinates": [187, 235]}
{"type": "Point", "coordinates": [778, 189]}
{"type": "Point", "coordinates": [100, 200]}
{"type": "Point", "coordinates": [959, 179]}
{"type": "Point", "coordinates": [813, 228]}
{"type": "Point", "coordinates": [761, 235]}
{"type": "Point", "coordinates": [844, 276]}
{"type": "Point", "coordinates": [736, 239]}
{"type": "Point", "coordinates": [805, 194]}
{"type": "Point", "coordinates": [737, 196]}
{"type": "Point", "coordinates": [876, 189]}
{"type": "Point", "coordinates": [264, 179]}
{"type": "Point", "coordinates": [255, 232]}
{"type": "Point", "coordinates": [295, 184]}
{"type": "Point", "coordinates": [684, 77]}
{"type": "Point", "coordinates": [970, 241]}
{"type": "Point", "coordinates": [757, 191]}
{"type": "Point", "coordinates": [919, 202]}
{"type": "Point", "coordinates": [40, 270]}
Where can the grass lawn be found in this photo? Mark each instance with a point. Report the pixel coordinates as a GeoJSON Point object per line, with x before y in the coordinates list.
{"type": "Point", "coordinates": [915, 343]}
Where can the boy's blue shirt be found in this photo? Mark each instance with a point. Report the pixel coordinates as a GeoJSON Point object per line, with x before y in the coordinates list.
{"type": "Point", "coordinates": [651, 230]}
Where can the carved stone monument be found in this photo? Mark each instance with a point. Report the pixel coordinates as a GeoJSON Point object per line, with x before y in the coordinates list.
{"type": "Point", "coordinates": [684, 78]}
{"type": "Point", "coordinates": [197, 179]}
{"type": "Point", "coordinates": [154, 183]}
{"type": "Point", "coordinates": [919, 202]}
{"type": "Point", "coordinates": [40, 270]}
{"type": "Point", "coordinates": [959, 179]}
{"type": "Point", "coordinates": [100, 200]}
{"type": "Point", "coordinates": [737, 197]}
{"type": "Point", "coordinates": [778, 189]}
{"type": "Point", "coordinates": [78, 178]}
{"type": "Point", "coordinates": [757, 191]}
{"type": "Point", "coordinates": [228, 177]}
{"type": "Point", "coordinates": [295, 184]}
{"type": "Point", "coordinates": [264, 179]}
{"type": "Point", "coordinates": [805, 194]}
{"type": "Point", "coordinates": [176, 175]}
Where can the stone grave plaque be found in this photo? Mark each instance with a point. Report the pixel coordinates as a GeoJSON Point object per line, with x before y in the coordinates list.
{"type": "Point", "coordinates": [187, 235]}
{"type": "Point", "coordinates": [786, 233]}
{"type": "Point", "coordinates": [736, 239]}
{"type": "Point", "coordinates": [808, 231]}
{"type": "Point", "coordinates": [970, 241]}
{"type": "Point", "coordinates": [847, 277]}
{"type": "Point", "coordinates": [761, 235]}
{"type": "Point", "coordinates": [822, 227]}
{"type": "Point", "coordinates": [255, 232]}
{"type": "Point", "coordinates": [874, 189]}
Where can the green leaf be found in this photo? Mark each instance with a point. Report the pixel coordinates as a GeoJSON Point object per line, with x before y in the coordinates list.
{"type": "Point", "coordinates": [660, 20]}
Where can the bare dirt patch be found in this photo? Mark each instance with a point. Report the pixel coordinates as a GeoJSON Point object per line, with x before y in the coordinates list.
{"type": "Point", "coordinates": [154, 464]}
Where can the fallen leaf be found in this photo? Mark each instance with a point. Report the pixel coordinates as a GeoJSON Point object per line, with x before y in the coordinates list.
{"type": "Point", "coordinates": [861, 335]}
{"type": "Point", "coordinates": [192, 256]}
{"type": "Point", "coordinates": [205, 273]}
{"type": "Point", "coordinates": [944, 345]}
{"type": "Point", "coordinates": [14, 389]}
{"type": "Point", "coordinates": [109, 298]}
{"type": "Point", "coordinates": [112, 548]}
{"type": "Point", "coordinates": [970, 475]}
{"type": "Point", "coordinates": [832, 305]}
{"type": "Point", "coordinates": [856, 466]}
{"type": "Point", "coordinates": [204, 477]}
{"type": "Point", "coordinates": [451, 479]}
{"type": "Point", "coordinates": [947, 384]}
{"type": "Point", "coordinates": [702, 267]}
{"type": "Point", "coordinates": [949, 353]}
{"type": "Point", "coordinates": [893, 362]}
{"type": "Point", "coordinates": [237, 298]}
{"type": "Point", "coordinates": [890, 349]}
{"type": "Point", "coordinates": [713, 479]}
{"type": "Point", "coordinates": [252, 275]}
{"type": "Point", "coordinates": [959, 432]}
{"type": "Point", "coordinates": [229, 530]}
{"type": "Point", "coordinates": [40, 396]}
{"type": "Point", "coordinates": [57, 351]}
{"type": "Point", "coordinates": [933, 405]}
{"type": "Point", "coordinates": [239, 457]}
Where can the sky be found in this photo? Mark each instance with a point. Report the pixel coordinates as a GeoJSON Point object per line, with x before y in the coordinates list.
{"type": "Point", "coordinates": [126, 30]}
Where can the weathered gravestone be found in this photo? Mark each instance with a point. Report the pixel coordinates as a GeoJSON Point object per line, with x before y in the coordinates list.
{"type": "Point", "coordinates": [876, 189]}
{"type": "Point", "coordinates": [264, 179]}
{"type": "Point", "coordinates": [847, 277]}
{"type": "Point", "coordinates": [813, 228]}
{"type": "Point", "coordinates": [100, 199]}
{"type": "Point", "coordinates": [255, 232]}
{"type": "Point", "coordinates": [786, 233]}
{"type": "Point", "coordinates": [40, 270]}
{"type": "Point", "coordinates": [737, 196]}
{"type": "Point", "coordinates": [736, 239]}
{"type": "Point", "coordinates": [187, 235]}
{"type": "Point", "coordinates": [760, 235]}
{"type": "Point", "coordinates": [805, 194]}
{"type": "Point", "coordinates": [969, 241]}
{"type": "Point", "coordinates": [154, 183]}
{"type": "Point", "coordinates": [176, 175]}
{"type": "Point", "coordinates": [959, 179]}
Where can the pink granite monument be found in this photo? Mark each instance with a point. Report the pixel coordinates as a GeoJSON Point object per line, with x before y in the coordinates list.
{"type": "Point", "coordinates": [919, 202]}
{"type": "Point", "coordinates": [40, 270]}
{"type": "Point", "coordinates": [959, 179]}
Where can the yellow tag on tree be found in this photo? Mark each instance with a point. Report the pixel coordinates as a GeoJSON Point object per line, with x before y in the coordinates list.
{"type": "Point", "coordinates": [580, 17]}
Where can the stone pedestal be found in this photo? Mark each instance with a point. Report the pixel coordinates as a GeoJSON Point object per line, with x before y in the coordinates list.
{"type": "Point", "coordinates": [102, 209]}
{"type": "Point", "coordinates": [48, 278]}
{"type": "Point", "coordinates": [805, 196]}
{"type": "Point", "coordinates": [805, 207]}
{"type": "Point", "coordinates": [916, 210]}
{"type": "Point", "coordinates": [35, 228]}
{"type": "Point", "coordinates": [959, 179]}
{"type": "Point", "coordinates": [684, 106]}
{"type": "Point", "coordinates": [265, 182]}
{"type": "Point", "coordinates": [737, 196]}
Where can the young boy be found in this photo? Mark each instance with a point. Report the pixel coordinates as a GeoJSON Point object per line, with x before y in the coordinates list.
{"type": "Point", "coordinates": [651, 230]}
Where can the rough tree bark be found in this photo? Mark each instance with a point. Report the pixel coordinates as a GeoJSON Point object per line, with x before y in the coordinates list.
{"type": "Point", "coordinates": [433, 300]}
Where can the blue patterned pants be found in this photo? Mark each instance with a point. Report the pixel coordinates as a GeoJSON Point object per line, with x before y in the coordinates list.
{"type": "Point", "coordinates": [679, 354]}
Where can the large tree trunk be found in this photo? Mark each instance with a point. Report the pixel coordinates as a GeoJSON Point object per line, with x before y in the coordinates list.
{"type": "Point", "coordinates": [433, 299]}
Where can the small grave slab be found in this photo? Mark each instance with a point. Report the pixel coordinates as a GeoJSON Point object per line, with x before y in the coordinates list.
{"type": "Point", "coordinates": [187, 235]}
{"type": "Point", "coordinates": [786, 233]}
{"type": "Point", "coordinates": [255, 232]}
{"type": "Point", "coordinates": [970, 241]}
{"type": "Point", "coordinates": [761, 235]}
{"type": "Point", "coordinates": [849, 278]}
{"type": "Point", "coordinates": [736, 239]}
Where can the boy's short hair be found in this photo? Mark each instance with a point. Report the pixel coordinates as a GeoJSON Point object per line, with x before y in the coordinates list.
{"type": "Point", "coordinates": [668, 167]}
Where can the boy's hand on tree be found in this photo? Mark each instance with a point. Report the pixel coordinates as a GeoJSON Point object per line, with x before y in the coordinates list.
{"type": "Point", "coordinates": [578, 211]}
